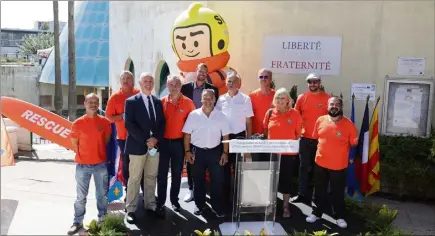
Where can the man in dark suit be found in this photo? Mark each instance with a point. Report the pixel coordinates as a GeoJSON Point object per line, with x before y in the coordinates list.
{"type": "Point", "coordinates": [145, 123]}
{"type": "Point", "coordinates": [193, 90]}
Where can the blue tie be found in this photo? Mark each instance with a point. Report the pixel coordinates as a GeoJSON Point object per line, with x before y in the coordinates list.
{"type": "Point", "coordinates": [151, 111]}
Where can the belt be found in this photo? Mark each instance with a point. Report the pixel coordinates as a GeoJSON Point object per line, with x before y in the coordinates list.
{"type": "Point", "coordinates": [206, 147]}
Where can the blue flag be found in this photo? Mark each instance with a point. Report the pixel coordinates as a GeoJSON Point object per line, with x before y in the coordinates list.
{"type": "Point", "coordinates": [115, 190]}
{"type": "Point", "coordinates": [353, 185]}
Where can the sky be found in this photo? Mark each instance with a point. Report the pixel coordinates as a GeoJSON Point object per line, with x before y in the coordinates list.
{"type": "Point", "coordinates": [22, 14]}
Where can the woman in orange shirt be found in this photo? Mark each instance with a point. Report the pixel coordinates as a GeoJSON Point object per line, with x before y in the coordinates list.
{"type": "Point", "coordinates": [283, 123]}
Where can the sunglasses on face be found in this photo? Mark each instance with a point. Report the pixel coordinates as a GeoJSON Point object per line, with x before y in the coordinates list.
{"type": "Point", "coordinates": [313, 81]}
{"type": "Point", "coordinates": [263, 77]}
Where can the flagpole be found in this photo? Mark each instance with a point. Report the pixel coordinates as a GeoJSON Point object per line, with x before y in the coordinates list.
{"type": "Point", "coordinates": [377, 102]}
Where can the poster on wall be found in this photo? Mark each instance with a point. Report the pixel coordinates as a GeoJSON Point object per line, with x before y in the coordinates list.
{"type": "Point", "coordinates": [361, 91]}
{"type": "Point", "coordinates": [407, 107]}
{"type": "Point", "coordinates": [410, 66]}
{"type": "Point", "coordinates": [301, 55]}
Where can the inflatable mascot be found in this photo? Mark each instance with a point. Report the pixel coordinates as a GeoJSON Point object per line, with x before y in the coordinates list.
{"type": "Point", "coordinates": [200, 35]}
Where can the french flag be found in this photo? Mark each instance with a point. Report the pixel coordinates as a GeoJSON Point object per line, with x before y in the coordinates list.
{"type": "Point", "coordinates": [362, 153]}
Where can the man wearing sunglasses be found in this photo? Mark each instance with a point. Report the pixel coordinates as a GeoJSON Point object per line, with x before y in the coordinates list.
{"type": "Point", "coordinates": [311, 105]}
{"type": "Point", "coordinates": [261, 100]}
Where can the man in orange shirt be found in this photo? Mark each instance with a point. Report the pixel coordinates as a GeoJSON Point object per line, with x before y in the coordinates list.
{"type": "Point", "coordinates": [311, 105]}
{"type": "Point", "coordinates": [261, 100]}
{"type": "Point", "coordinates": [176, 108]}
{"type": "Point", "coordinates": [336, 134]}
{"type": "Point", "coordinates": [115, 113]}
{"type": "Point", "coordinates": [90, 135]}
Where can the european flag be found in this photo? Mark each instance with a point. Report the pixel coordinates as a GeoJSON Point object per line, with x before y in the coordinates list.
{"type": "Point", "coordinates": [353, 185]}
{"type": "Point", "coordinates": [115, 191]}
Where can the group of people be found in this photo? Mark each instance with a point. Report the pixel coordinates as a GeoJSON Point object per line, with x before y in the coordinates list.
{"type": "Point", "coordinates": [188, 126]}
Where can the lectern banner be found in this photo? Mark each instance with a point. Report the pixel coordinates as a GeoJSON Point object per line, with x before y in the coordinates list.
{"type": "Point", "coordinates": [263, 146]}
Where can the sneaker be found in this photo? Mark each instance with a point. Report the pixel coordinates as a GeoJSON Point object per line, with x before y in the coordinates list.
{"type": "Point", "coordinates": [341, 223]}
{"type": "Point", "coordinates": [312, 218]}
{"type": "Point", "coordinates": [189, 197]}
{"type": "Point", "coordinates": [75, 228]}
{"type": "Point", "coordinates": [130, 217]}
{"type": "Point", "coordinates": [198, 211]}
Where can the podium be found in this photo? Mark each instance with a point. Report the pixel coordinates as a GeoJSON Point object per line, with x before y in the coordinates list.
{"type": "Point", "coordinates": [256, 185]}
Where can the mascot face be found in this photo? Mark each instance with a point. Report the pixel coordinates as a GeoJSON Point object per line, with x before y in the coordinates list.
{"type": "Point", "coordinates": [193, 42]}
{"type": "Point", "coordinates": [198, 33]}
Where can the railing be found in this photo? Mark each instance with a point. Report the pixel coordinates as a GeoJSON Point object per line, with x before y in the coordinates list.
{"type": "Point", "coordinates": [36, 139]}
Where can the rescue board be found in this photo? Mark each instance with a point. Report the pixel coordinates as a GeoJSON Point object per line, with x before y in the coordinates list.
{"type": "Point", "coordinates": [38, 120]}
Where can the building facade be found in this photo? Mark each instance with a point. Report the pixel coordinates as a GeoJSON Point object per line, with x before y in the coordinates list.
{"type": "Point", "coordinates": [358, 42]}
{"type": "Point", "coordinates": [11, 39]}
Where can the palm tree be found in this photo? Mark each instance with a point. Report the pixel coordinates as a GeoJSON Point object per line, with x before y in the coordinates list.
{"type": "Point", "coordinates": [72, 98]}
{"type": "Point", "coordinates": [58, 98]}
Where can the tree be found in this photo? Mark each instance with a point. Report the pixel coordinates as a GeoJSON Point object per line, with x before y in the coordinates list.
{"type": "Point", "coordinates": [58, 98]}
{"type": "Point", "coordinates": [72, 97]}
{"type": "Point", "coordinates": [34, 42]}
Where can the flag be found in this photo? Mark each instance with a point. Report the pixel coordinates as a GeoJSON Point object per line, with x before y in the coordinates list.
{"type": "Point", "coordinates": [7, 156]}
{"type": "Point", "coordinates": [362, 152]}
{"type": "Point", "coordinates": [115, 190]}
{"type": "Point", "coordinates": [373, 165]}
{"type": "Point", "coordinates": [353, 185]}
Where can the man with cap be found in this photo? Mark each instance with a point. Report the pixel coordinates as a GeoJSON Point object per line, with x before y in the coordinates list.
{"type": "Point", "coordinates": [311, 105]}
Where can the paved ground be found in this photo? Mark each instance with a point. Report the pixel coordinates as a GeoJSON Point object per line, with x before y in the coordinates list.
{"type": "Point", "coordinates": [37, 198]}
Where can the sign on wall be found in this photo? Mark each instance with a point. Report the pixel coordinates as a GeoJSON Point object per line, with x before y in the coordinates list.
{"type": "Point", "coordinates": [410, 66]}
{"type": "Point", "coordinates": [361, 91]}
{"type": "Point", "coordinates": [301, 55]}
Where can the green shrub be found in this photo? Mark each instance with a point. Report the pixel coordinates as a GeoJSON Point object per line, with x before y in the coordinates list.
{"type": "Point", "coordinates": [110, 225]}
{"type": "Point", "coordinates": [378, 219]}
{"type": "Point", "coordinates": [407, 166]}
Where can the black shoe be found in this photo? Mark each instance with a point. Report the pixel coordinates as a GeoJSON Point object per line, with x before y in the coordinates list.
{"type": "Point", "coordinates": [176, 207]}
{"type": "Point", "coordinates": [131, 217]}
{"type": "Point", "coordinates": [75, 228]}
{"type": "Point", "coordinates": [198, 211]}
{"type": "Point", "coordinates": [301, 199]}
{"type": "Point", "coordinates": [218, 214]}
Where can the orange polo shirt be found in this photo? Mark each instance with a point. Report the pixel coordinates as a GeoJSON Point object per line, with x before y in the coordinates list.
{"type": "Point", "coordinates": [176, 115]}
{"type": "Point", "coordinates": [311, 106]}
{"type": "Point", "coordinates": [335, 140]}
{"type": "Point", "coordinates": [90, 133]}
{"type": "Point", "coordinates": [260, 105]}
{"type": "Point", "coordinates": [283, 126]}
{"type": "Point", "coordinates": [115, 106]}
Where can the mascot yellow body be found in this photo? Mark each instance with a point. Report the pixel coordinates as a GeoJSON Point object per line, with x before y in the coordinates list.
{"type": "Point", "coordinates": [200, 35]}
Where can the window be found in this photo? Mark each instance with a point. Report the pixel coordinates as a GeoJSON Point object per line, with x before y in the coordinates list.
{"type": "Point", "coordinates": [80, 99]}
{"type": "Point", "coordinates": [45, 100]}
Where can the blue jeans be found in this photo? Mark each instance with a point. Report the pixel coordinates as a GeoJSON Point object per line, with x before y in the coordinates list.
{"type": "Point", "coordinates": [83, 178]}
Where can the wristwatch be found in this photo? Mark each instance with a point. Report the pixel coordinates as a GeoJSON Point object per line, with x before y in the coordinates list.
{"type": "Point", "coordinates": [188, 151]}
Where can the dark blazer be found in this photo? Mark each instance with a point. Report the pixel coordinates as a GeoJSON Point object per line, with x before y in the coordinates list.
{"type": "Point", "coordinates": [187, 90]}
{"type": "Point", "coordinates": [138, 124]}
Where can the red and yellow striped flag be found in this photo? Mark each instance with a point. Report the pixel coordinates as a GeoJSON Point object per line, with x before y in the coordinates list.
{"type": "Point", "coordinates": [374, 179]}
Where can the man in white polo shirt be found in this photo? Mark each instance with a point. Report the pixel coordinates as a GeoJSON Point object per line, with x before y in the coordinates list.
{"type": "Point", "coordinates": [237, 107]}
{"type": "Point", "coordinates": [203, 131]}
